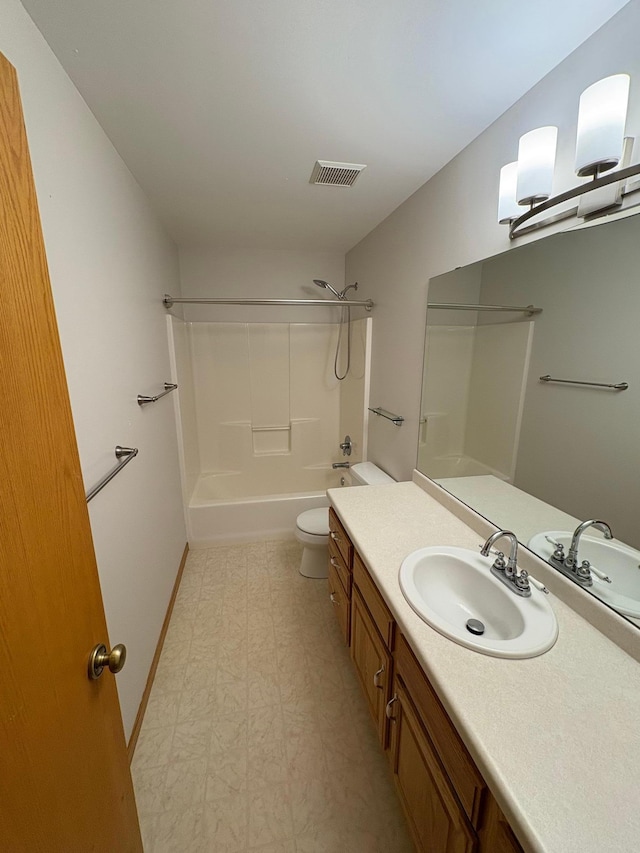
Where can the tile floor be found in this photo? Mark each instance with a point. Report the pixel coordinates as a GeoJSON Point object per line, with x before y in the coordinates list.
{"type": "Point", "coordinates": [256, 736]}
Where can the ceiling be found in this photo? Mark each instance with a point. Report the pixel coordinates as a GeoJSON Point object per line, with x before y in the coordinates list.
{"type": "Point", "coordinates": [221, 107]}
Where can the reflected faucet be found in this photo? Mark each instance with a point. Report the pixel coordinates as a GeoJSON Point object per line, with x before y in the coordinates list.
{"type": "Point", "coordinates": [571, 566]}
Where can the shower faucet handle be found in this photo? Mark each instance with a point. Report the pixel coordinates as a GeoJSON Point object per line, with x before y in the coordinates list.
{"type": "Point", "coordinates": [346, 446]}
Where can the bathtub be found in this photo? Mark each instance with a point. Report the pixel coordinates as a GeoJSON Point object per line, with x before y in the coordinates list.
{"type": "Point", "coordinates": [233, 507]}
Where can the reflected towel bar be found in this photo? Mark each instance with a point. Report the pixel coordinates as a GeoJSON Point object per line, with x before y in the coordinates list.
{"type": "Point", "coordinates": [618, 386]}
{"type": "Point", "coordinates": [125, 455]}
{"type": "Point", "coordinates": [169, 301]}
{"type": "Point", "coordinates": [168, 388]}
{"type": "Point", "coordinates": [398, 420]}
{"type": "Point", "coordinates": [459, 306]}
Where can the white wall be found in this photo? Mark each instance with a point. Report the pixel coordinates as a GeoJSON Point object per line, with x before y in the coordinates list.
{"type": "Point", "coordinates": [110, 262]}
{"type": "Point", "coordinates": [262, 274]}
{"type": "Point", "coordinates": [451, 221]}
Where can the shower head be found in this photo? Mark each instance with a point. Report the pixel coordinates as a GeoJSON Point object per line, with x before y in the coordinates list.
{"type": "Point", "coordinates": [326, 285]}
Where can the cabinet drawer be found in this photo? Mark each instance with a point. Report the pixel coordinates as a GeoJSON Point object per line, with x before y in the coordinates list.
{"type": "Point", "coordinates": [341, 604]}
{"type": "Point", "coordinates": [380, 613]}
{"type": "Point", "coordinates": [338, 535]}
{"type": "Point", "coordinates": [465, 776]}
{"type": "Point", "coordinates": [337, 561]}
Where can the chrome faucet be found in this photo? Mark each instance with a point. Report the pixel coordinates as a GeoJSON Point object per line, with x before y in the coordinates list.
{"type": "Point", "coordinates": [507, 572]}
{"type": "Point", "coordinates": [571, 566]}
{"type": "Point", "coordinates": [341, 465]}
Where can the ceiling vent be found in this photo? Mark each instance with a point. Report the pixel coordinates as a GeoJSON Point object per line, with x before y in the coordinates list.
{"type": "Point", "coordinates": [335, 174]}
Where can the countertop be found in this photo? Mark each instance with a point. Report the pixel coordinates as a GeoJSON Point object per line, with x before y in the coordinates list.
{"type": "Point", "coordinates": [556, 737]}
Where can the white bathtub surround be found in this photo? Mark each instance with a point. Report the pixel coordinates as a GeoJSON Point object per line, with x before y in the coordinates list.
{"type": "Point", "coordinates": [467, 379]}
{"type": "Point", "coordinates": [266, 415]}
{"type": "Point", "coordinates": [574, 708]}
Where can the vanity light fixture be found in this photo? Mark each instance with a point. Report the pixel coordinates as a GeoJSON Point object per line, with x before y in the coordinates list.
{"type": "Point", "coordinates": [536, 161]}
{"type": "Point", "coordinates": [508, 207]}
{"type": "Point", "coordinates": [600, 148]}
{"type": "Point", "coordinates": [601, 118]}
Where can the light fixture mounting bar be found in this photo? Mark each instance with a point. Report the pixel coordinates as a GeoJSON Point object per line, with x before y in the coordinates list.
{"type": "Point", "coordinates": [515, 229]}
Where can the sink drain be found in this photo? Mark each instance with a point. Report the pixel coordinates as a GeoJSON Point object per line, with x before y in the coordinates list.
{"type": "Point", "coordinates": [475, 626]}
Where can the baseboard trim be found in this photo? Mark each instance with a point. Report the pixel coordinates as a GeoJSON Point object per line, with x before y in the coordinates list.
{"type": "Point", "coordinates": [131, 746]}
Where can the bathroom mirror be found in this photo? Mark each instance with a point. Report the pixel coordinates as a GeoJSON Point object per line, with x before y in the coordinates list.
{"type": "Point", "coordinates": [537, 456]}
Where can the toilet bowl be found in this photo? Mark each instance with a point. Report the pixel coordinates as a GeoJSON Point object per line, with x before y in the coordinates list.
{"type": "Point", "coordinates": [312, 526]}
{"type": "Point", "coordinates": [312, 531]}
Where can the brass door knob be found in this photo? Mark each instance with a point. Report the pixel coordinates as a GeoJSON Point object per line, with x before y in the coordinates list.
{"type": "Point", "coordinates": [101, 658]}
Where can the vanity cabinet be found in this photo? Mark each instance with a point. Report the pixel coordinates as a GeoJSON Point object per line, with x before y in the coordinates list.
{"type": "Point", "coordinates": [448, 807]}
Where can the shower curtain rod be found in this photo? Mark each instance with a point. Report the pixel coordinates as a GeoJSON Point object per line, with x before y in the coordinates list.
{"type": "Point", "coordinates": [168, 301]}
{"type": "Point", "coordinates": [458, 306]}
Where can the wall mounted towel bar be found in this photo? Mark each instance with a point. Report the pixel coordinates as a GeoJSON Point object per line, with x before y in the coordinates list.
{"type": "Point", "coordinates": [398, 420]}
{"type": "Point", "coordinates": [168, 388]}
{"type": "Point", "coordinates": [168, 301]}
{"type": "Point", "coordinates": [460, 306]}
{"type": "Point", "coordinates": [618, 386]}
{"type": "Point", "coordinates": [125, 455]}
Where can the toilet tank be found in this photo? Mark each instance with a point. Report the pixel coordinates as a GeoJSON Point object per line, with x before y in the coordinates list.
{"type": "Point", "coordinates": [368, 474]}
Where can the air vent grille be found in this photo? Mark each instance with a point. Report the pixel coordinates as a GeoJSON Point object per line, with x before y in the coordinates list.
{"type": "Point", "coordinates": [335, 174]}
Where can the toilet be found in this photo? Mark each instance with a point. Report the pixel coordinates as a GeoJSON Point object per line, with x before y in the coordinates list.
{"type": "Point", "coordinates": [312, 526]}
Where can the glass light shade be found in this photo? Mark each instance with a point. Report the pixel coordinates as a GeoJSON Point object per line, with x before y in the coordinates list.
{"type": "Point", "coordinates": [536, 160]}
{"type": "Point", "coordinates": [601, 119]}
{"type": "Point", "coordinates": [508, 207]}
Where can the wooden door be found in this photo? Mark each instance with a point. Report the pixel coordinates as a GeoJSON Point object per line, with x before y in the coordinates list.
{"type": "Point", "coordinates": [436, 820]}
{"type": "Point", "coordinates": [64, 778]}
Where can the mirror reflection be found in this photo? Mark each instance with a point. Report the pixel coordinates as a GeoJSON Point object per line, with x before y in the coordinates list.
{"type": "Point", "coordinates": [535, 455]}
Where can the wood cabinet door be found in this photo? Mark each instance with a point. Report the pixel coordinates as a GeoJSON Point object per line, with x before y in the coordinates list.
{"type": "Point", "coordinates": [436, 820]}
{"type": "Point", "coordinates": [372, 662]}
{"type": "Point", "coordinates": [496, 836]}
{"type": "Point", "coordinates": [65, 785]}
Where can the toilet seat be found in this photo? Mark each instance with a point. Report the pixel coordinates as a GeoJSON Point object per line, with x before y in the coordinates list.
{"type": "Point", "coordinates": [314, 521]}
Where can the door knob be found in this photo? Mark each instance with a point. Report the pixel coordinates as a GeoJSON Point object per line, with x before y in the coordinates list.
{"type": "Point", "coordinates": [100, 657]}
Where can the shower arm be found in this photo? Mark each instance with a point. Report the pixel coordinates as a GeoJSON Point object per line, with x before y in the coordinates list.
{"type": "Point", "coordinates": [367, 304]}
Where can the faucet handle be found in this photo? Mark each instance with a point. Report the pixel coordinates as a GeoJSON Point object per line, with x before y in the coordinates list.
{"type": "Point", "coordinates": [602, 575]}
{"type": "Point", "coordinates": [558, 553]}
{"type": "Point", "coordinates": [499, 563]}
{"type": "Point", "coordinates": [531, 581]}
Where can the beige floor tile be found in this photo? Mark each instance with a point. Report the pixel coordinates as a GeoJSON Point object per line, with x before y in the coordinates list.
{"type": "Point", "coordinates": [149, 789]}
{"type": "Point", "coordinates": [263, 725]}
{"type": "Point", "coordinates": [178, 831]}
{"type": "Point", "coordinates": [269, 815]}
{"type": "Point", "coordinates": [229, 731]}
{"type": "Point", "coordinates": [257, 736]}
{"type": "Point", "coordinates": [192, 739]}
{"type": "Point", "coordinates": [153, 747]}
{"type": "Point", "coordinates": [267, 765]}
{"type": "Point", "coordinates": [224, 824]}
{"type": "Point", "coordinates": [162, 709]}
{"type": "Point", "coordinates": [226, 774]}
{"type": "Point", "coordinates": [184, 784]}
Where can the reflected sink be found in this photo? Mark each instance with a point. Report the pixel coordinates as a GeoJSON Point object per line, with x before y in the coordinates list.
{"type": "Point", "coordinates": [619, 561]}
{"type": "Point", "coordinates": [449, 586]}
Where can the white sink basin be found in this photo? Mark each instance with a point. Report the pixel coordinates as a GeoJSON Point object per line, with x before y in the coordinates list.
{"type": "Point", "coordinates": [448, 586]}
{"type": "Point", "coordinates": [619, 561]}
